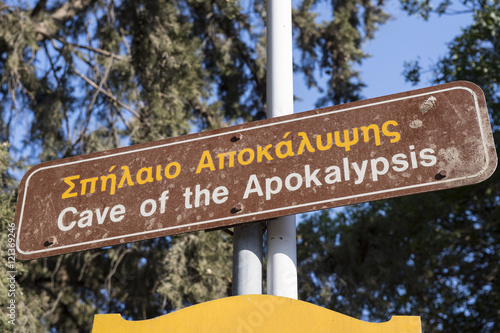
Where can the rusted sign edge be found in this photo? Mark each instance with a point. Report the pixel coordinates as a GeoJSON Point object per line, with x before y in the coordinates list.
{"type": "Point", "coordinates": [481, 116]}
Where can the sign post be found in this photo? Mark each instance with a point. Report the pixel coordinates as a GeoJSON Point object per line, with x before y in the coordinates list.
{"type": "Point", "coordinates": [247, 259]}
{"type": "Point", "coordinates": [418, 141]}
{"type": "Point", "coordinates": [281, 232]}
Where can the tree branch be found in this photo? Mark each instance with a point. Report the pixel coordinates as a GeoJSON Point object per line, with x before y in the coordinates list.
{"type": "Point", "coordinates": [114, 266]}
{"type": "Point", "coordinates": [96, 93]}
{"type": "Point", "coordinates": [49, 27]}
{"type": "Point", "coordinates": [107, 93]}
{"type": "Point", "coordinates": [90, 48]}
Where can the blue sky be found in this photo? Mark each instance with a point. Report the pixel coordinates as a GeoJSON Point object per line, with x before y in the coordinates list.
{"type": "Point", "coordinates": [401, 39]}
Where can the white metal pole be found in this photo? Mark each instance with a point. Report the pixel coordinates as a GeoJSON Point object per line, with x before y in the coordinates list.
{"type": "Point", "coordinates": [281, 233]}
{"type": "Point", "coordinates": [247, 259]}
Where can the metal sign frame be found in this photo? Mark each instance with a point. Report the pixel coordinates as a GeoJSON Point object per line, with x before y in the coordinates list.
{"type": "Point", "coordinates": [160, 186]}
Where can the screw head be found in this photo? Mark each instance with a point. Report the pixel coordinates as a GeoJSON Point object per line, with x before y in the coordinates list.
{"type": "Point", "coordinates": [441, 175]}
{"type": "Point", "coordinates": [236, 137]}
{"type": "Point", "coordinates": [237, 208]}
{"type": "Point", "coordinates": [50, 241]}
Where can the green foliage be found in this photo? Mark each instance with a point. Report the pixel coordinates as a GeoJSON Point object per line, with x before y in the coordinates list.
{"type": "Point", "coordinates": [27, 310]}
{"type": "Point", "coordinates": [435, 255]}
{"type": "Point", "coordinates": [196, 269]}
{"type": "Point", "coordinates": [332, 47]}
{"type": "Point", "coordinates": [140, 280]}
{"type": "Point", "coordinates": [83, 76]}
{"type": "Point", "coordinates": [145, 70]}
{"type": "Point", "coordinates": [473, 55]}
{"type": "Point", "coordinates": [412, 70]}
{"type": "Point", "coordinates": [92, 75]}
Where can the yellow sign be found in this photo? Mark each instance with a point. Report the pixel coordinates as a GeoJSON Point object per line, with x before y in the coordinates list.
{"type": "Point", "coordinates": [255, 313]}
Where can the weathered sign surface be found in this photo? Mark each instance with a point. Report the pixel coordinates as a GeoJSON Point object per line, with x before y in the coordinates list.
{"type": "Point", "coordinates": [424, 140]}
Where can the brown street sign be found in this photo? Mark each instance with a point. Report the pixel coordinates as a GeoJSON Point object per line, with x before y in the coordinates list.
{"type": "Point", "coordinates": [418, 141]}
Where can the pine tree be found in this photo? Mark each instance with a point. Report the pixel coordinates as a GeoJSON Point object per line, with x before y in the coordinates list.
{"type": "Point", "coordinates": [435, 255]}
{"type": "Point", "coordinates": [85, 76]}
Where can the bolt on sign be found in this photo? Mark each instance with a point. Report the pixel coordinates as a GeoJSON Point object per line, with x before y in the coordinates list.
{"type": "Point", "coordinates": [423, 140]}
